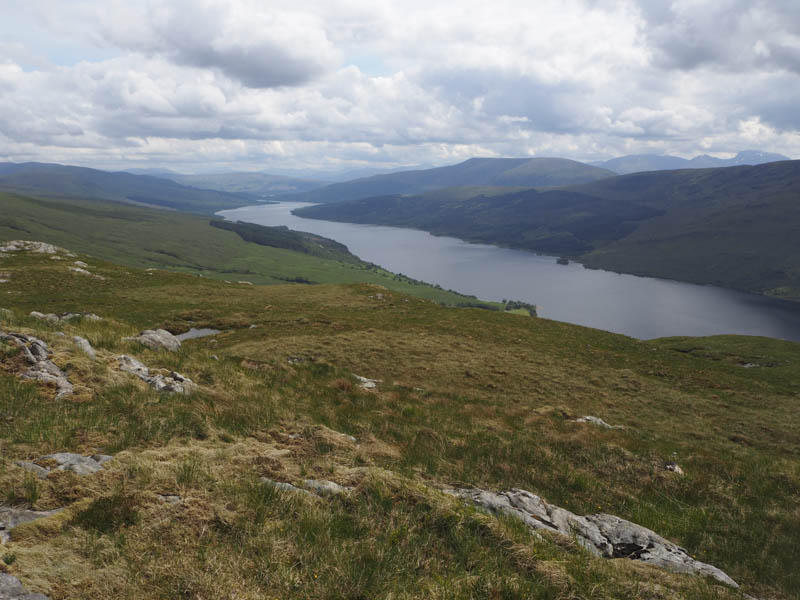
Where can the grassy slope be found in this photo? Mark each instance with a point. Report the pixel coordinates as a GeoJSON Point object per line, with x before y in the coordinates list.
{"type": "Point", "coordinates": [735, 227]}
{"type": "Point", "coordinates": [468, 397]}
{"type": "Point", "coordinates": [142, 237]}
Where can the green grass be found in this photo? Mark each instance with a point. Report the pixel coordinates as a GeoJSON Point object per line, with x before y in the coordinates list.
{"type": "Point", "coordinates": [148, 238]}
{"type": "Point", "coordinates": [467, 397]}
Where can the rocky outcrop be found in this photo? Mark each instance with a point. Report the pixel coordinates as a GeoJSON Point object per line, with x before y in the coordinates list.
{"type": "Point", "coordinates": [156, 339]}
{"type": "Point", "coordinates": [604, 535]}
{"type": "Point", "coordinates": [66, 461]}
{"type": "Point", "coordinates": [34, 247]}
{"type": "Point", "coordinates": [174, 382]}
{"type": "Point", "coordinates": [12, 517]}
{"type": "Point", "coordinates": [11, 589]}
{"type": "Point", "coordinates": [37, 355]}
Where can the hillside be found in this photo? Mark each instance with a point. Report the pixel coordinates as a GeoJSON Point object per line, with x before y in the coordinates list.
{"type": "Point", "coordinates": [264, 468]}
{"type": "Point", "coordinates": [734, 227]}
{"type": "Point", "coordinates": [514, 172]}
{"type": "Point", "coordinates": [44, 179]}
{"type": "Point", "coordinates": [149, 238]}
{"type": "Point", "coordinates": [636, 163]}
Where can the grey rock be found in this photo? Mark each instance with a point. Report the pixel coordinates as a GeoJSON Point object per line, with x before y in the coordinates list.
{"type": "Point", "coordinates": [156, 339]}
{"type": "Point", "coordinates": [323, 487]}
{"type": "Point", "coordinates": [674, 467]}
{"type": "Point", "coordinates": [367, 384]}
{"type": "Point", "coordinates": [40, 472]}
{"type": "Point", "coordinates": [169, 499]}
{"type": "Point", "coordinates": [286, 487]}
{"type": "Point", "coordinates": [37, 353]}
{"type": "Point", "coordinates": [11, 589]}
{"type": "Point", "coordinates": [175, 383]}
{"type": "Point", "coordinates": [85, 347]}
{"type": "Point", "coordinates": [604, 535]}
{"type": "Point", "coordinates": [598, 421]}
{"type": "Point", "coordinates": [44, 317]}
{"type": "Point", "coordinates": [80, 263]}
{"type": "Point", "coordinates": [12, 517]}
{"type": "Point", "coordinates": [81, 465]}
{"type": "Point", "coordinates": [34, 247]}
{"type": "Point", "coordinates": [133, 366]}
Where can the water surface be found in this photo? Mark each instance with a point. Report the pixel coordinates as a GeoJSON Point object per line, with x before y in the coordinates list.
{"type": "Point", "coordinates": [642, 307]}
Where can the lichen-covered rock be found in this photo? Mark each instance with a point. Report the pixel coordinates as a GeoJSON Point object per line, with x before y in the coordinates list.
{"type": "Point", "coordinates": [11, 589]}
{"type": "Point", "coordinates": [605, 535]}
{"type": "Point", "coordinates": [156, 339]}
{"type": "Point", "coordinates": [286, 487]}
{"type": "Point", "coordinates": [77, 463]}
{"type": "Point", "coordinates": [85, 347]}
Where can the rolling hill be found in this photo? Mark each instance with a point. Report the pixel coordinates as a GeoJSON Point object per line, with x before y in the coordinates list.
{"type": "Point", "coordinates": [734, 227]}
{"type": "Point", "coordinates": [45, 179]}
{"type": "Point", "coordinates": [514, 172]}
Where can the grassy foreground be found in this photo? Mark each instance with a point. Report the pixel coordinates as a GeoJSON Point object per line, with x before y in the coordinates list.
{"type": "Point", "coordinates": [467, 397]}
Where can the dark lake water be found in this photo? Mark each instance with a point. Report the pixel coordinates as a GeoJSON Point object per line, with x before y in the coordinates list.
{"type": "Point", "coordinates": [641, 307]}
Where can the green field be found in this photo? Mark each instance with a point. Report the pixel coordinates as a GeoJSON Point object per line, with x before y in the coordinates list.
{"type": "Point", "coordinates": [150, 238]}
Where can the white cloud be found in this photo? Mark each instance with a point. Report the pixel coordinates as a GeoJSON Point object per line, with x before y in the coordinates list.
{"type": "Point", "coordinates": [213, 81]}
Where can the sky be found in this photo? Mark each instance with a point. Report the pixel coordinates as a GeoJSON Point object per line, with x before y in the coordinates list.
{"type": "Point", "coordinates": [217, 85]}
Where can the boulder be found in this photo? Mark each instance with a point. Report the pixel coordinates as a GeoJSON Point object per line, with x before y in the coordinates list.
{"type": "Point", "coordinates": [34, 247]}
{"type": "Point", "coordinates": [367, 384]}
{"type": "Point", "coordinates": [602, 534]}
{"type": "Point", "coordinates": [286, 487]}
{"type": "Point", "coordinates": [156, 339]}
{"type": "Point", "coordinates": [11, 589]}
{"type": "Point", "coordinates": [81, 465]}
{"type": "Point", "coordinates": [85, 347]}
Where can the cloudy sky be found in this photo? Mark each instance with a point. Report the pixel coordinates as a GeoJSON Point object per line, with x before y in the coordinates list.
{"type": "Point", "coordinates": [199, 85]}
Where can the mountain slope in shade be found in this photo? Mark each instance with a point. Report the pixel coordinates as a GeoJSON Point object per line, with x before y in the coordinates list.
{"type": "Point", "coordinates": [735, 227]}
{"type": "Point", "coordinates": [79, 182]}
{"type": "Point", "coordinates": [519, 172]}
{"type": "Point", "coordinates": [636, 163]}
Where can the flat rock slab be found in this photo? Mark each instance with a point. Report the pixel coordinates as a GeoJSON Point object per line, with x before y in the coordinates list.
{"type": "Point", "coordinates": [597, 421]}
{"type": "Point", "coordinates": [11, 589]}
{"type": "Point", "coordinates": [604, 535]}
{"type": "Point", "coordinates": [67, 461]}
{"type": "Point", "coordinates": [12, 517]}
{"type": "Point", "coordinates": [156, 339]}
{"type": "Point", "coordinates": [323, 487]}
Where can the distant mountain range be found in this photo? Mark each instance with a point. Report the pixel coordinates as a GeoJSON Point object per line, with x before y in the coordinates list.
{"type": "Point", "coordinates": [513, 172]}
{"type": "Point", "coordinates": [44, 179]}
{"type": "Point", "coordinates": [263, 185]}
{"type": "Point", "coordinates": [636, 163]}
{"type": "Point", "coordinates": [735, 226]}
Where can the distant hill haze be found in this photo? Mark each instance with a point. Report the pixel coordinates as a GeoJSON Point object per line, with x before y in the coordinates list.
{"type": "Point", "coordinates": [78, 182]}
{"type": "Point", "coordinates": [735, 226]}
{"type": "Point", "coordinates": [513, 172]}
{"type": "Point", "coordinates": [636, 163]}
{"type": "Point", "coordinates": [264, 185]}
